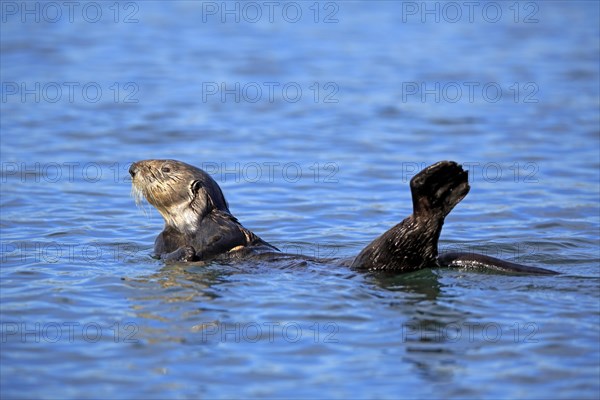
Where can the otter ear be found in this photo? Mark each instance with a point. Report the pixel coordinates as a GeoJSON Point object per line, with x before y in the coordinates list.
{"type": "Point", "coordinates": [196, 186]}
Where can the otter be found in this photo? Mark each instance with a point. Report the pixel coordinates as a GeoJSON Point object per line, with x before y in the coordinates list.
{"type": "Point", "coordinates": [200, 227]}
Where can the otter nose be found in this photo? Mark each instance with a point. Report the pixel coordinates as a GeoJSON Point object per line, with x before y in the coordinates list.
{"type": "Point", "coordinates": [133, 170]}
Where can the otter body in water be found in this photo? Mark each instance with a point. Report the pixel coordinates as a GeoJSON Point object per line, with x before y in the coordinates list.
{"type": "Point", "coordinates": [200, 227]}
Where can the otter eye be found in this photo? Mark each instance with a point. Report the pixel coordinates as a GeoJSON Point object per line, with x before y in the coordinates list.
{"type": "Point", "coordinates": [166, 170]}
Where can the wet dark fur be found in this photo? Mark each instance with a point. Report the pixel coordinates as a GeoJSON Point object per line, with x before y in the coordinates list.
{"type": "Point", "coordinates": [413, 243]}
{"type": "Point", "coordinates": [199, 225]}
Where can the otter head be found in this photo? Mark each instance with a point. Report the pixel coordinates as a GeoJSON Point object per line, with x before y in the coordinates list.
{"type": "Point", "coordinates": [183, 194]}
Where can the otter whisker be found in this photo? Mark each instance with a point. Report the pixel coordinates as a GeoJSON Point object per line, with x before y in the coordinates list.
{"type": "Point", "coordinates": [138, 197]}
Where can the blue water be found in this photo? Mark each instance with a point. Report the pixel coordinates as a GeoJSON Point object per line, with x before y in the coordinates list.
{"type": "Point", "coordinates": [312, 124]}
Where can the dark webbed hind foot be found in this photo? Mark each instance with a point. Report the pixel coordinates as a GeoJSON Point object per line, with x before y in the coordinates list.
{"type": "Point", "coordinates": [479, 261]}
{"type": "Point", "coordinates": [412, 244]}
{"type": "Point", "coordinates": [438, 188]}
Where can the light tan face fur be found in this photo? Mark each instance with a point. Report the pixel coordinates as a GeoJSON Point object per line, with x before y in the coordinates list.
{"type": "Point", "coordinates": [177, 190]}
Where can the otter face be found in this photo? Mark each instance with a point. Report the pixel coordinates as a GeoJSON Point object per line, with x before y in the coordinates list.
{"type": "Point", "coordinates": [182, 193]}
